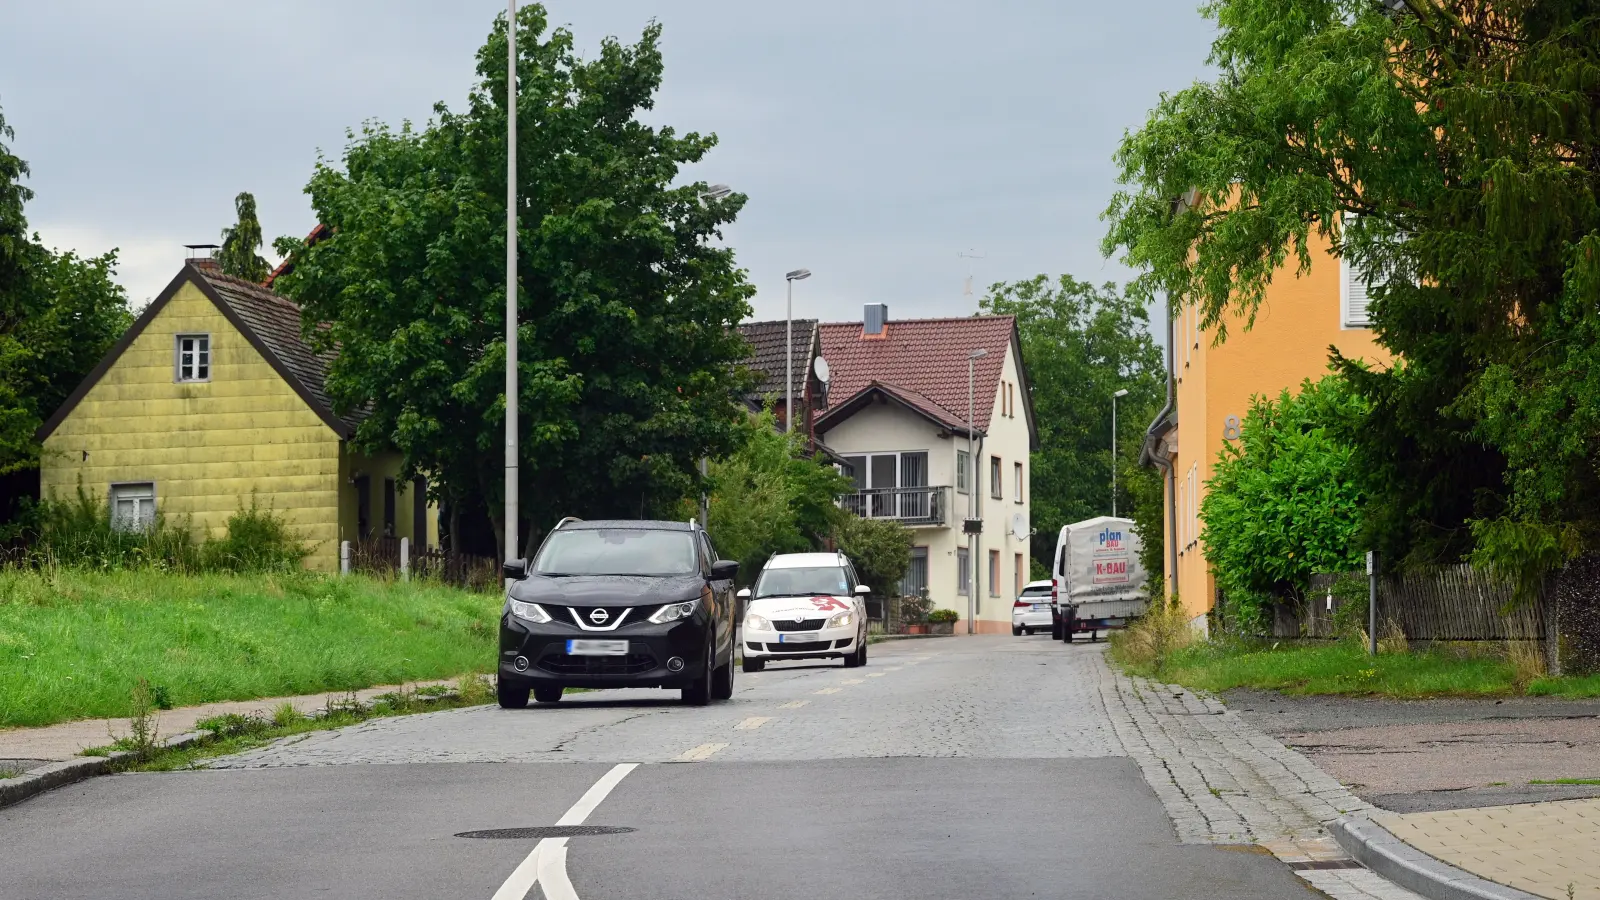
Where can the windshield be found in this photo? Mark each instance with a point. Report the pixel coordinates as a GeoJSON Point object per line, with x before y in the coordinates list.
{"type": "Point", "coordinates": [828, 580]}
{"type": "Point", "coordinates": [1036, 592]}
{"type": "Point", "coordinates": [617, 551]}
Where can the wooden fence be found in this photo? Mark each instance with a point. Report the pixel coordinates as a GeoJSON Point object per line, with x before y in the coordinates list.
{"type": "Point", "coordinates": [1456, 603]}
{"type": "Point", "coordinates": [383, 556]}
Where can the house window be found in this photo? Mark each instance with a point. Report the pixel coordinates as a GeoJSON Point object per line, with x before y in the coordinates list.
{"type": "Point", "coordinates": [133, 506]}
{"type": "Point", "coordinates": [1016, 476]}
{"type": "Point", "coordinates": [1193, 495]}
{"type": "Point", "coordinates": [891, 486]}
{"type": "Point", "coordinates": [995, 484]}
{"type": "Point", "coordinates": [193, 357]}
{"type": "Point", "coordinates": [994, 573]}
{"type": "Point", "coordinates": [963, 572]}
{"type": "Point", "coordinates": [963, 468]}
{"type": "Point", "coordinates": [916, 580]}
{"type": "Point", "coordinates": [1021, 570]}
{"type": "Point", "coordinates": [363, 507]}
{"type": "Point", "coordinates": [388, 507]}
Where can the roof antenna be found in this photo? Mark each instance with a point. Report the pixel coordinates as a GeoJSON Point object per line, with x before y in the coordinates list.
{"type": "Point", "coordinates": [970, 254]}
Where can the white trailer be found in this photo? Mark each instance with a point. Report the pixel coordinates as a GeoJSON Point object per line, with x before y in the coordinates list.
{"type": "Point", "coordinates": [1098, 582]}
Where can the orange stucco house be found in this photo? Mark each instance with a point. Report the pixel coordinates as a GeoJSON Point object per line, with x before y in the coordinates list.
{"type": "Point", "coordinates": [1212, 384]}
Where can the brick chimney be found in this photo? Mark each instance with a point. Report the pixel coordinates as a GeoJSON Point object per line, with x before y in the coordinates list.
{"type": "Point", "coordinates": [203, 256]}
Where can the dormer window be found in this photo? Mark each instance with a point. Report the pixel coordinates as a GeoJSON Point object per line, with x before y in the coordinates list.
{"type": "Point", "coordinates": [193, 361]}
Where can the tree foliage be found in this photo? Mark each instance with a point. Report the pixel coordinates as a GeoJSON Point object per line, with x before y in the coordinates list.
{"type": "Point", "coordinates": [1284, 501]}
{"type": "Point", "coordinates": [880, 549]}
{"type": "Point", "coordinates": [628, 352]}
{"type": "Point", "coordinates": [59, 314]}
{"type": "Point", "coordinates": [238, 256]}
{"type": "Point", "coordinates": [1464, 135]}
{"type": "Point", "coordinates": [1081, 343]}
{"type": "Point", "coordinates": [768, 497]}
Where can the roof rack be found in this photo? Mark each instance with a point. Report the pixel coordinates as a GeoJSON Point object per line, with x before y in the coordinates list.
{"type": "Point", "coordinates": [565, 521]}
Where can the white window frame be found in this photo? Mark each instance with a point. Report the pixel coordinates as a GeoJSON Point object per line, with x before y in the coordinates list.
{"type": "Point", "coordinates": [995, 579]}
{"type": "Point", "coordinates": [1194, 505]}
{"type": "Point", "coordinates": [963, 572]}
{"type": "Point", "coordinates": [143, 496]}
{"type": "Point", "coordinates": [997, 489]}
{"type": "Point", "coordinates": [963, 471]}
{"type": "Point", "coordinates": [1016, 474]}
{"type": "Point", "coordinates": [201, 360]}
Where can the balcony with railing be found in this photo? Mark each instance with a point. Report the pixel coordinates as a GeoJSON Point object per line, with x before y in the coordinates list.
{"type": "Point", "coordinates": [915, 506]}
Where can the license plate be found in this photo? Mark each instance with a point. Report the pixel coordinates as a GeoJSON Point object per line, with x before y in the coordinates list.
{"type": "Point", "coordinates": [597, 648]}
{"type": "Point", "coordinates": [800, 637]}
{"type": "Point", "coordinates": [1040, 606]}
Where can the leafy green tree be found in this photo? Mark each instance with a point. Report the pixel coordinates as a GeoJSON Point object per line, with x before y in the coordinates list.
{"type": "Point", "coordinates": [768, 497]}
{"type": "Point", "coordinates": [628, 353]}
{"type": "Point", "coordinates": [1081, 344]}
{"type": "Point", "coordinates": [880, 550]}
{"type": "Point", "coordinates": [1462, 135]}
{"type": "Point", "coordinates": [238, 255]}
{"type": "Point", "coordinates": [1284, 502]}
{"type": "Point", "coordinates": [59, 314]}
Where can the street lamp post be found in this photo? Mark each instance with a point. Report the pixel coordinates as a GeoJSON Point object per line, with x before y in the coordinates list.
{"type": "Point", "coordinates": [788, 348]}
{"type": "Point", "coordinates": [972, 486]}
{"type": "Point", "coordinates": [511, 510]}
{"type": "Point", "coordinates": [1121, 393]}
{"type": "Point", "coordinates": [712, 192]}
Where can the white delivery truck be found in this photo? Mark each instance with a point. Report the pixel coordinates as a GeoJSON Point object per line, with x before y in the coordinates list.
{"type": "Point", "coordinates": [1098, 581]}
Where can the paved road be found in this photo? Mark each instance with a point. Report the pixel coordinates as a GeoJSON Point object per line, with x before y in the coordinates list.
{"type": "Point", "coordinates": [955, 768]}
{"type": "Point", "coordinates": [1431, 755]}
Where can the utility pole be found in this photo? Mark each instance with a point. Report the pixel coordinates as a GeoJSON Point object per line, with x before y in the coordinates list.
{"type": "Point", "coordinates": [1121, 393]}
{"type": "Point", "coordinates": [972, 489]}
{"type": "Point", "coordinates": [513, 551]}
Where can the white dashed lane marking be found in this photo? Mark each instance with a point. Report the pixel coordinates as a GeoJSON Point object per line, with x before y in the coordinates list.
{"type": "Point", "coordinates": [752, 722]}
{"type": "Point", "coordinates": [793, 704]}
{"type": "Point", "coordinates": [830, 690]}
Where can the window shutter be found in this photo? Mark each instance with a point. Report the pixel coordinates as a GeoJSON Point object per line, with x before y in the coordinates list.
{"type": "Point", "coordinates": [1353, 291]}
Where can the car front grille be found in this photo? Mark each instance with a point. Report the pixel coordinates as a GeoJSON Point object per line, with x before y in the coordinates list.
{"type": "Point", "coordinates": [583, 616]}
{"type": "Point", "coordinates": [632, 664]}
{"type": "Point", "coordinates": [800, 647]}
{"type": "Point", "coordinates": [791, 625]}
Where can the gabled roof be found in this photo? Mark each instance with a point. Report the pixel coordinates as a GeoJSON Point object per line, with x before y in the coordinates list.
{"type": "Point", "coordinates": [768, 358]}
{"type": "Point", "coordinates": [915, 402]}
{"type": "Point", "coordinates": [269, 321]}
{"type": "Point", "coordinates": [923, 364]}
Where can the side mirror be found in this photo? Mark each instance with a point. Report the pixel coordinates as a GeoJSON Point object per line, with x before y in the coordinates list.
{"type": "Point", "coordinates": [515, 568]}
{"type": "Point", "coordinates": [724, 569]}
{"type": "Point", "coordinates": [744, 594]}
{"type": "Point", "coordinates": [862, 590]}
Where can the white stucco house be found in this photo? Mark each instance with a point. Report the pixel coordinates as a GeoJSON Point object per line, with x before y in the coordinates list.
{"type": "Point", "coordinates": [895, 409]}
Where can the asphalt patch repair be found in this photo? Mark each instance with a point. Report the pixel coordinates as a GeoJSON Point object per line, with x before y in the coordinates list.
{"type": "Point", "coordinates": [545, 831]}
{"type": "Point", "coordinates": [1431, 755]}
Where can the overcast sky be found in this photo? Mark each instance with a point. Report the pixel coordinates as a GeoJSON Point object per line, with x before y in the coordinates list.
{"type": "Point", "coordinates": [878, 141]}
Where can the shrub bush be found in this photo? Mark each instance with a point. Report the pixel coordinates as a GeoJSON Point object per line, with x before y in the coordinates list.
{"type": "Point", "coordinates": [1145, 646]}
{"type": "Point", "coordinates": [944, 615]}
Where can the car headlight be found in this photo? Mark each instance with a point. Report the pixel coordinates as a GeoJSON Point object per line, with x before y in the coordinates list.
{"type": "Point", "coordinates": [842, 620]}
{"type": "Point", "coordinates": [529, 612]}
{"type": "Point", "coordinates": [753, 622]}
{"type": "Point", "coordinates": [672, 612]}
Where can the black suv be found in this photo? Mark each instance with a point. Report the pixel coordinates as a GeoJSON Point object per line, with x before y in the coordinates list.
{"type": "Point", "coordinates": [618, 604]}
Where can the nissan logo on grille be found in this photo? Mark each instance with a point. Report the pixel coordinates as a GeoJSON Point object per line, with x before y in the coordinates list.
{"type": "Point", "coordinates": [599, 616]}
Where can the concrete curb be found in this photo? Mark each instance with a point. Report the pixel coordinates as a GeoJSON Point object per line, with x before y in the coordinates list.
{"type": "Point", "coordinates": [59, 774]}
{"type": "Point", "coordinates": [880, 638]}
{"type": "Point", "coordinates": [1378, 849]}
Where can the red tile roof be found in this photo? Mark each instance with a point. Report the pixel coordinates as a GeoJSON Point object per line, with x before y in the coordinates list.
{"type": "Point", "coordinates": [921, 361]}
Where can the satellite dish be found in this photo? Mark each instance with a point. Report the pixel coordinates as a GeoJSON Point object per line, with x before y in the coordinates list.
{"type": "Point", "coordinates": [1019, 527]}
{"type": "Point", "coordinates": [821, 366]}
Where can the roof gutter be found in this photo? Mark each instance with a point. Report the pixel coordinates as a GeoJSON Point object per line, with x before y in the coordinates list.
{"type": "Point", "coordinates": [1150, 456]}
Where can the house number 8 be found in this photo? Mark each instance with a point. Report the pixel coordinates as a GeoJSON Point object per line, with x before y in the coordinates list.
{"type": "Point", "coordinates": [1230, 428]}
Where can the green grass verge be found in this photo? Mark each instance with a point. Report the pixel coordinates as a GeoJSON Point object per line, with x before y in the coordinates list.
{"type": "Point", "coordinates": [1593, 782]}
{"type": "Point", "coordinates": [1345, 668]}
{"type": "Point", "coordinates": [73, 644]}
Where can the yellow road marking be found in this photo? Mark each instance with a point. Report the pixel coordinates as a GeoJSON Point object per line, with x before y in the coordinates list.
{"type": "Point", "coordinates": [752, 722]}
{"type": "Point", "coordinates": [876, 674]}
{"type": "Point", "coordinates": [702, 752]}
{"type": "Point", "coordinates": [853, 681]}
{"type": "Point", "coordinates": [794, 704]}
{"type": "Point", "coordinates": [830, 690]}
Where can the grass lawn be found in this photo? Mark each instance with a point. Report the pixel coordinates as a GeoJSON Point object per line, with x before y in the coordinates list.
{"type": "Point", "coordinates": [1345, 668]}
{"type": "Point", "coordinates": [73, 644]}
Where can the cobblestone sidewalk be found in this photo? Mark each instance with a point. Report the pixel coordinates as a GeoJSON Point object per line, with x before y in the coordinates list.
{"type": "Point", "coordinates": [1224, 782]}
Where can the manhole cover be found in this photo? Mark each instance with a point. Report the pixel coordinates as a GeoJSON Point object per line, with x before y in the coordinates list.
{"type": "Point", "coordinates": [546, 831]}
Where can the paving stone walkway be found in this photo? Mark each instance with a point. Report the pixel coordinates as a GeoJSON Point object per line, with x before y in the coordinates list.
{"type": "Point", "coordinates": [1541, 848]}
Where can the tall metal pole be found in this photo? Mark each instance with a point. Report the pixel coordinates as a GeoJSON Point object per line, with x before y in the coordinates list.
{"type": "Point", "coordinates": [1114, 455]}
{"type": "Point", "coordinates": [972, 500]}
{"type": "Point", "coordinates": [788, 359]}
{"type": "Point", "coordinates": [513, 551]}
